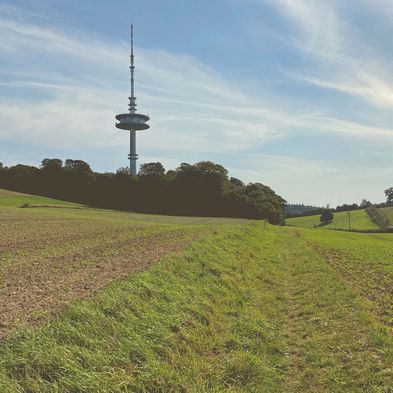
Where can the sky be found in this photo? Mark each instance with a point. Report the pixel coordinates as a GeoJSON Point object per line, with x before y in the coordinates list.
{"type": "Point", "coordinates": [294, 94]}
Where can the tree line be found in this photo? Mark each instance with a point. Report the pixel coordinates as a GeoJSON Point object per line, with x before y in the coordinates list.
{"type": "Point", "coordinates": [201, 189]}
{"type": "Point", "coordinates": [299, 210]}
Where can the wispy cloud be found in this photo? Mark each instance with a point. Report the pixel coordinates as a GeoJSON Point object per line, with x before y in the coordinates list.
{"type": "Point", "coordinates": [85, 83]}
{"type": "Point", "coordinates": [309, 179]}
{"type": "Point", "coordinates": [61, 89]}
{"type": "Point", "coordinates": [342, 56]}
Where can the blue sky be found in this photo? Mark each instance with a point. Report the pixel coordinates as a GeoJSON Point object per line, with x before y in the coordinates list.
{"type": "Point", "coordinates": [296, 94]}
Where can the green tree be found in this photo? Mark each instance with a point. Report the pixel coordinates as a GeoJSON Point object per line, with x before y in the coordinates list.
{"type": "Point", "coordinates": [326, 216]}
{"type": "Point", "coordinates": [236, 182]}
{"type": "Point", "coordinates": [152, 169]}
{"type": "Point", "coordinates": [201, 189]}
{"type": "Point", "coordinates": [51, 165]}
{"type": "Point", "coordinates": [77, 166]}
{"type": "Point", "coordinates": [365, 203]}
{"type": "Point", "coordinates": [123, 171]}
{"type": "Point", "coordinates": [23, 170]}
{"type": "Point", "coordinates": [210, 168]}
{"type": "Point", "coordinates": [389, 194]}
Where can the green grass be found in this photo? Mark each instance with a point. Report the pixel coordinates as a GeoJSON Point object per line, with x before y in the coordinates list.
{"type": "Point", "coordinates": [198, 322]}
{"type": "Point", "coordinates": [360, 220]}
{"type": "Point", "coordinates": [336, 342]}
{"type": "Point", "coordinates": [11, 198]}
{"type": "Point", "coordinates": [48, 254]}
{"type": "Point", "coordinates": [365, 261]}
{"type": "Point", "coordinates": [245, 308]}
{"type": "Point", "coordinates": [251, 308]}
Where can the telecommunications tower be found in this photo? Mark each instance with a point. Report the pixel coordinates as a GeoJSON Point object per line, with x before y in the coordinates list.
{"type": "Point", "coordinates": [132, 121]}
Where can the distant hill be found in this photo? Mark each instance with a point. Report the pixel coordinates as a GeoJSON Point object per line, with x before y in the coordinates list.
{"type": "Point", "coordinates": [360, 220]}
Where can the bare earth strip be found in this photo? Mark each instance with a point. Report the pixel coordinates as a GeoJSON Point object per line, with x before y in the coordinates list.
{"type": "Point", "coordinates": [73, 262]}
{"type": "Point", "coordinates": [24, 230]}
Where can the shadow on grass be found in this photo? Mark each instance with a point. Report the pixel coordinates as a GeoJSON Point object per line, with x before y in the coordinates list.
{"type": "Point", "coordinates": [27, 205]}
{"type": "Point", "coordinates": [322, 224]}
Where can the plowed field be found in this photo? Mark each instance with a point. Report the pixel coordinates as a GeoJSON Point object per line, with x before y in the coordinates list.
{"type": "Point", "coordinates": [242, 308]}
{"type": "Point", "coordinates": [50, 256]}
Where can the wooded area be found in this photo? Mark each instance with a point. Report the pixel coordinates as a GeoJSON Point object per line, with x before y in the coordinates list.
{"type": "Point", "coordinates": [201, 189]}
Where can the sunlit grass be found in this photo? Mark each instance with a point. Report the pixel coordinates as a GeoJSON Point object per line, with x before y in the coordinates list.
{"type": "Point", "coordinates": [356, 219]}
{"type": "Point", "coordinates": [207, 320]}
{"type": "Point", "coordinates": [246, 308]}
{"type": "Point", "coordinates": [11, 198]}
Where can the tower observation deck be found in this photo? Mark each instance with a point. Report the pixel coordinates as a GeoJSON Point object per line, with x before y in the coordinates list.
{"type": "Point", "coordinates": [132, 121]}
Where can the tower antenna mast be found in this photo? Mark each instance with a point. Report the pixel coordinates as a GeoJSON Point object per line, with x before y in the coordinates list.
{"type": "Point", "coordinates": [132, 68]}
{"type": "Point", "coordinates": [132, 121]}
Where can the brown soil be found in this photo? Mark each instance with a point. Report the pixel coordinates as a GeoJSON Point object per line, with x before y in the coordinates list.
{"type": "Point", "coordinates": [34, 287]}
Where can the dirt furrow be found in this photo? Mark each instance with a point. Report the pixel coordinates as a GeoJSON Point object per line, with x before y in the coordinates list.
{"type": "Point", "coordinates": [33, 291]}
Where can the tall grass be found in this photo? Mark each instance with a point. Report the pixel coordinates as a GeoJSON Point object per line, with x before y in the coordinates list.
{"type": "Point", "coordinates": [207, 320]}
{"type": "Point", "coordinates": [250, 308]}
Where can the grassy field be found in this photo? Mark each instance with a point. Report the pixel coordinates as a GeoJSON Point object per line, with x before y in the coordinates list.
{"type": "Point", "coordinates": [50, 255]}
{"type": "Point", "coordinates": [11, 198]}
{"type": "Point", "coordinates": [176, 304]}
{"type": "Point", "coordinates": [360, 220]}
{"type": "Point", "coordinates": [365, 262]}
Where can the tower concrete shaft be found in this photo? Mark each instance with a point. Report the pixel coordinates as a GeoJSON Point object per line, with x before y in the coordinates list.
{"type": "Point", "coordinates": [132, 121]}
{"type": "Point", "coordinates": [133, 156]}
{"type": "Point", "coordinates": [132, 108]}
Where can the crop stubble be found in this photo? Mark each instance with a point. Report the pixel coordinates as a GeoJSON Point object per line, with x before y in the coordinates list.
{"type": "Point", "coordinates": [46, 262]}
{"type": "Point", "coordinates": [364, 262]}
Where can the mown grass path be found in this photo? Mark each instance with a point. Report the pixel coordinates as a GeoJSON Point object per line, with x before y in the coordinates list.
{"type": "Point", "coordinates": [333, 343]}
{"type": "Point", "coordinates": [364, 262]}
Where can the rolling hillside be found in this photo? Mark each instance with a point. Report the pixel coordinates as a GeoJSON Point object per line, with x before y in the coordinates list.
{"type": "Point", "coordinates": [11, 198]}
{"type": "Point", "coordinates": [102, 301]}
{"type": "Point", "coordinates": [360, 220]}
